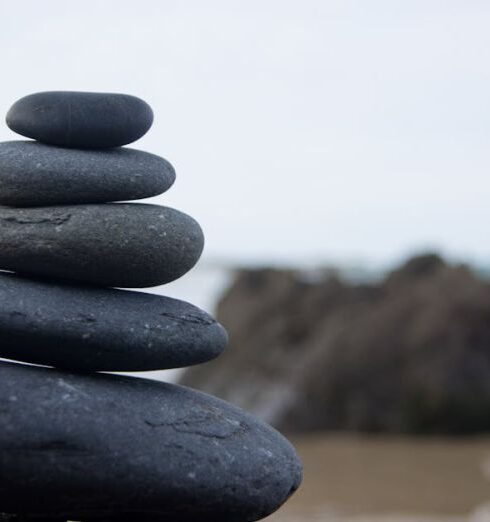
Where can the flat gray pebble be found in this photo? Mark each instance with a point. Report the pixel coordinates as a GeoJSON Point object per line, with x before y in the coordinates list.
{"type": "Point", "coordinates": [91, 328]}
{"type": "Point", "coordinates": [34, 174]}
{"type": "Point", "coordinates": [126, 245]}
{"type": "Point", "coordinates": [105, 447]}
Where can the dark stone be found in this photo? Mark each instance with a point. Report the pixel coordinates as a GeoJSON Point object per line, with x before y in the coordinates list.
{"type": "Point", "coordinates": [91, 328]}
{"type": "Point", "coordinates": [34, 174]}
{"type": "Point", "coordinates": [81, 119]}
{"type": "Point", "coordinates": [112, 244]}
{"type": "Point", "coordinates": [99, 447]}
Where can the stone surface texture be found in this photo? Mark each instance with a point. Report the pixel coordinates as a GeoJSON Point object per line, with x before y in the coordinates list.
{"type": "Point", "coordinates": [91, 328]}
{"type": "Point", "coordinates": [100, 447]}
{"type": "Point", "coordinates": [34, 174]}
{"type": "Point", "coordinates": [114, 244]}
{"type": "Point", "coordinates": [81, 119]}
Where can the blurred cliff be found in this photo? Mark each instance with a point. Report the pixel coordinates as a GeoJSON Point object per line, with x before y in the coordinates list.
{"type": "Point", "coordinates": [310, 351]}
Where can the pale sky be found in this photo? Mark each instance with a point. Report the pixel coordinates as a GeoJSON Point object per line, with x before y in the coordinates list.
{"type": "Point", "coordinates": [306, 129]}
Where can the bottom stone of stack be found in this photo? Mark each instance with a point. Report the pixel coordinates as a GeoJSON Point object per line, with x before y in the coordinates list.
{"type": "Point", "coordinates": [105, 447]}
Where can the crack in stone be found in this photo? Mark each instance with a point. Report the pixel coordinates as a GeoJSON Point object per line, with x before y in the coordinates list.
{"type": "Point", "coordinates": [205, 426]}
{"type": "Point", "coordinates": [190, 318]}
{"type": "Point", "coordinates": [60, 447]}
{"type": "Point", "coordinates": [41, 220]}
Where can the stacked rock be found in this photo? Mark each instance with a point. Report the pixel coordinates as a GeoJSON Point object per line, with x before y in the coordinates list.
{"type": "Point", "coordinates": [80, 445]}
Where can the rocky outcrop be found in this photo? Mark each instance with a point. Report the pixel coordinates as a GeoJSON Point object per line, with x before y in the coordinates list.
{"type": "Point", "coordinates": [409, 354]}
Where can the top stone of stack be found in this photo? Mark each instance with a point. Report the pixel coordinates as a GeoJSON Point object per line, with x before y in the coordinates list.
{"type": "Point", "coordinates": [81, 119]}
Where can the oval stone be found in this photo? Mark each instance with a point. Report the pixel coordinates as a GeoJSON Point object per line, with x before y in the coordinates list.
{"type": "Point", "coordinates": [103, 447]}
{"type": "Point", "coordinates": [81, 119]}
{"type": "Point", "coordinates": [91, 328]}
{"type": "Point", "coordinates": [34, 174]}
{"type": "Point", "coordinates": [114, 244]}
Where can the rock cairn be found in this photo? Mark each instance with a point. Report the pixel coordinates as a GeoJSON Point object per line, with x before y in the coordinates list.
{"type": "Point", "coordinates": [86, 446]}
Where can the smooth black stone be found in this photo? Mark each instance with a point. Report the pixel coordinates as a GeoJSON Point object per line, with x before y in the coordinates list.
{"type": "Point", "coordinates": [81, 119]}
{"type": "Point", "coordinates": [113, 244]}
{"type": "Point", "coordinates": [34, 174]}
{"type": "Point", "coordinates": [91, 328]}
{"type": "Point", "coordinates": [98, 447]}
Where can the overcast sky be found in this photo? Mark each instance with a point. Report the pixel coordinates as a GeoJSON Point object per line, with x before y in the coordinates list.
{"type": "Point", "coordinates": [306, 129]}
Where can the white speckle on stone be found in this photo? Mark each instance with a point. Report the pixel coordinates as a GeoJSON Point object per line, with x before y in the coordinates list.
{"type": "Point", "coordinates": [266, 452]}
{"type": "Point", "coordinates": [191, 475]}
{"type": "Point", "coordinates": [70, 388]}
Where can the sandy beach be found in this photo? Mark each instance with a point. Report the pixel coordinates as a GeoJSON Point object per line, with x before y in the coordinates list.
{"type": "Point", "coordinates": [367, 479]}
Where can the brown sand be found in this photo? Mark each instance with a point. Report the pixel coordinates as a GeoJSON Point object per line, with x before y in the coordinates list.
{"type": "Point", "coordinates": [367, 479]}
